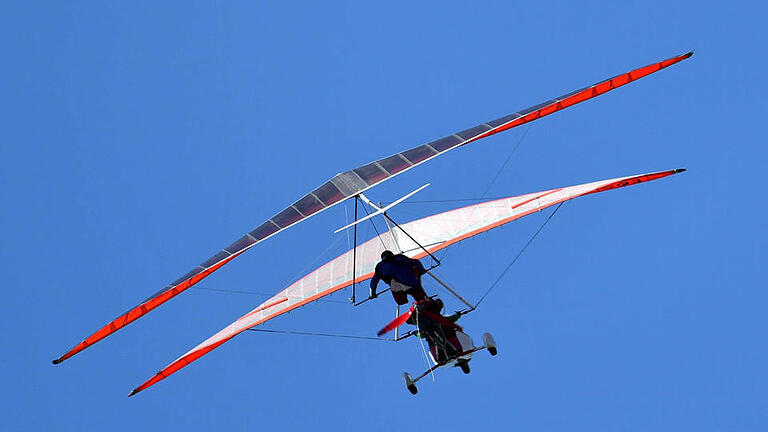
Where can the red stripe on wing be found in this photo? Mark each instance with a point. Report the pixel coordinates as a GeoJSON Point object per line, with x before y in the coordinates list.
{"type": "Point", "coordinates": [142, 309]}
{"type": "Point", "coordinates": [635, 180]}
{"type": "Point", "coordinates": [587, 93]}
{"type": "Point", "coordinates": [178, 364]}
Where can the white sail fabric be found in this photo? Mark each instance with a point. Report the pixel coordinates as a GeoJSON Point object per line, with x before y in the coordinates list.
{"type": "Point", "coordinates": [434, 233]}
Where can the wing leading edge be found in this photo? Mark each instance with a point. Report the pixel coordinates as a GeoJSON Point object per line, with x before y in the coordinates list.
{"type": "Point", "coordinates": [351, 183]}
{"type": "Point", "coordinates": [434, 232]}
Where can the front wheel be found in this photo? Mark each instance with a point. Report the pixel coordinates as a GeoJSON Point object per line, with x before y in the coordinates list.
{"type": "Point", "coordinates": [464, 367]}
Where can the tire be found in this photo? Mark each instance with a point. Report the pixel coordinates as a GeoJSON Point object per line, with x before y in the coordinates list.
{"type": "Point", "coordinates": [409, 384]}
{"type": "Point", "coordinates": [464, 367]}
{"type": "Point", "coordinates": [490, 344]}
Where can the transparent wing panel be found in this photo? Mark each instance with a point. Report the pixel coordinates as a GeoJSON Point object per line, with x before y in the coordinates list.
{"type": "Point", "coordinates": [394, 164]}
{"type": "Point", "coordinates": [371, 173]}
{"type": "Point", "coordinates": [328, 193]}
{"type": "Point", "coordinates": [474, 131]}
{"type": "Point", "coordinates": [308, 205]}
{"type": "Point", "coordinates": [446, 143]}
{"type": "Point", "coordinates": [240, 244]}
{"type": "Point", "coordinates": [505, 119]}
{"type": "Point", "coordinates": [186, 276]}
{"type": "Point", "coordinates": [215, 259]}
{"type": "Point", "coordinates": [418, 154]}
{"type": "Point", "coordinates": [287, 217]}
{"type": "Point", "coordinates": [264, 230]}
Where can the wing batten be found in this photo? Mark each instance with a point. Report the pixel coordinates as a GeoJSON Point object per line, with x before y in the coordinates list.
{"type": "Point", "coordinates": [451, 222]}
{"type": "Point", "coordinates": [350, 183]}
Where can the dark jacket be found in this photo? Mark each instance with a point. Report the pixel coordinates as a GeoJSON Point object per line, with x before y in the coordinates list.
{"type": "Point", "coordinates": [400, 268]}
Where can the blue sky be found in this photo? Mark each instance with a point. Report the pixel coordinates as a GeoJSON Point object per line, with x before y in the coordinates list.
{"type": "Point", "coordinates": [140, 138]}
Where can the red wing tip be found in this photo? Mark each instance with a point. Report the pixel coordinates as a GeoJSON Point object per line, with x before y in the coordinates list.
{"type": "Point", "coordinates": [688, 54]}
{"type": "Point", "coordinates": [679, 170]}
{"type": "Point", "coordinates": [57, 361]}
{"type": "Point", "coordinates": [133, 392]}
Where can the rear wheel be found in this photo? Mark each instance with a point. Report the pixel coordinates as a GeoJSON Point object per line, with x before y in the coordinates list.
{"type": "Point", "coordinates": [490, 344]}
{"type": "Point", "coordinates": [409, 383]}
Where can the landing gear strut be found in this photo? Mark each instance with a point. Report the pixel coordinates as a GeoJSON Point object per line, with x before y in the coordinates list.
{"type": "Point", "coordinates": [460, 359]}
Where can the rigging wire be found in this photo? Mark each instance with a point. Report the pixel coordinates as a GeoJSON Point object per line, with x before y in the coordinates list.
{"type": "Point", "coordinates": [530, 240]}
{"type": "Point", "coordinates": [321, 334]}
{"type": "Point", "coordinates": [260, 294]}
{"type": "Point", "coordinates": [374, 227]}
{"type": "Point", "coordinates": [501, 168]}
{"type": "Point", "coordinates": [421, 344]}
{"type": "Point", "coordinates": [437, 286]}
{"type": "Point", "coordinates": [301, 272]}
{"type": "Point", "coordinates": [493, 180]}
{"type": "Point", "coordinates": [506, 161]}
{"type": "Point", "coordinates": [445, 200]}
{"type": "Point", "coordinates": [287, 283]}
{"type": "Point", "coordinates": [412, 239]}
{"type": "Point", "coordinates": [314, 261]}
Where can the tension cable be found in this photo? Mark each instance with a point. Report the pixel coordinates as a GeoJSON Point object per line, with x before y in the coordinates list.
{"type": "Point", "coordinates": [321, 334]}
{"type": "Point", "coordinates": [374, 227]}
{"type": "Point", "coordinates": [506, 161]}
{"type": "Point", "coordinates": [493, 180]}
{"type": "Point", "coordinates": [518, 254]}
{"type": "Point", "coordinates": [413, 239]}
{"type": "Point", "coordinates": [259, 294]}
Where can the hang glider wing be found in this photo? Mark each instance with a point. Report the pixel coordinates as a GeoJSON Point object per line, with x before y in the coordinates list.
{"type": "Point", "coordinates": [434, 233]}
{"type": "Point", "coordinates": [351, 183]}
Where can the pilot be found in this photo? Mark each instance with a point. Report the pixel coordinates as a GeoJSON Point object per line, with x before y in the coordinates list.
{"type": "Point", "coordinates": [403, 275]}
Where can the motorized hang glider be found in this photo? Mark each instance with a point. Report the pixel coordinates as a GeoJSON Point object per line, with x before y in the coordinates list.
{"type": "Point", "coordinates": [416, 239]}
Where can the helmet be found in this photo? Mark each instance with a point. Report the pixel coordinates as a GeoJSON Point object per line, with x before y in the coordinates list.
{"type": "Point", "coordinates": [387, 255]}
